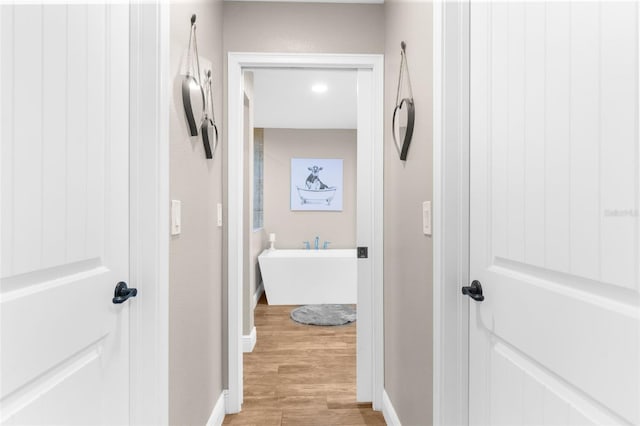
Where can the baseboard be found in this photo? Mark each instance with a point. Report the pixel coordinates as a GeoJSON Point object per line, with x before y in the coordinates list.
{"type": "Point", "coordinates": [257, 295]}
{"type": "Point", "coordinates": [249, 341]}
{"type": "Point", "coordinates": [217, 415]}
{"type": "Point", "coordinates": [388, 411]}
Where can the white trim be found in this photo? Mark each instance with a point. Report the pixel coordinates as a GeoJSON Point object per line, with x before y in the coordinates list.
{"type": "Point", "coordinates": [257, 295]}
{"type": "Point", "coordinates": [377, 254]}
{"type": "Point", "coordinates": [389, 413]}
{"type": "Point", "coordinates": [234, 238]}
{"type": "Point", "coordinates": [316, 1]}
{"type": "Point", "coordinates": [249, 341]}
{"type": "Point", "coordinates": [149, 220]}
{"type": "Point", "coordinates": [438, 358]}
{"type": "Point", "coordinates": [236, 62]}
{"type": "Point", "coordinates": [451, 211]}
{"type": "Point", "coordinates": [217, 414]}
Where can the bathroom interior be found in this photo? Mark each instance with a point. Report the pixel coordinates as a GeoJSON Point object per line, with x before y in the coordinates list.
{"type": "Point", "coordinates": [300, 182]}
{"type": "Point", "coordinates": [310, 117]}
{"type": "Point", "coordinates": [299, 119]}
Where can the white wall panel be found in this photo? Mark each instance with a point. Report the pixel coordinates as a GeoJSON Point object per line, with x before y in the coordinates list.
{"type": "Point", "coordinates": [534, 133]}
{"type": "Point", "coordinates": [27, 140]}
{"type": "Point", "coordinates": [557, 138]}
{"type": "Point", "coordinates": [498, 130]}
{"type": "Point", "coordinates": [7, 91]}
{"type": "Point", "coordinates": [77, 132]}
{"type": "Point", "coordinates": [584, 135]}
{"type": "Point", "coordinates": [515, 83]}
{"type": "Point", "coordinates": [619, 145]}
{"type": "Point", "coordinates": [55, 126]}
{"type": "Point", "coordinates": [96, 129]}
{"type": "Point", "coordinates": [54, 147]}
{"type": "Point", "coordinates": [564, 150]}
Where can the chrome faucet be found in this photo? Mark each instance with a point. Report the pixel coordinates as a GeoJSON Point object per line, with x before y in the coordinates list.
{"type": "Point", "coordinates": [306, 245]}
{"type": "Point", "coordinates": [326, 245]}
{"type": "Point", "coordinates": [316, 243]}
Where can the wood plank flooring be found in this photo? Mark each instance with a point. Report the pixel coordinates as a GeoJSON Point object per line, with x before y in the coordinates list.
{"type": "Point", "coordinates": [301, 375]}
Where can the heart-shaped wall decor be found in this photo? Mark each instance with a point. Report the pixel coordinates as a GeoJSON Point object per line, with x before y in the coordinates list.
{"type": "Point", "coordinates": [402, 127]}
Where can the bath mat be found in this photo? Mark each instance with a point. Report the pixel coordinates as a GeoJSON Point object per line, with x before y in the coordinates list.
{"type": "Point", "coordinates": [324, 314]}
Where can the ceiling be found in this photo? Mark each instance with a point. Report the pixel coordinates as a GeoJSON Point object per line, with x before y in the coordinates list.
{"type": "Point", "coordinates": [283, 98]}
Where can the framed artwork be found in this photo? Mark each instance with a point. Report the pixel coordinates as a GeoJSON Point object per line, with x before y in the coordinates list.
{"type": "Point", "coordinates": [316, 184]}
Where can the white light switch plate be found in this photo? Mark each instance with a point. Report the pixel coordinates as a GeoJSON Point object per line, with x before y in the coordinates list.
{"type": "Point", "coordinates": [219, 215]}
{"type": "Point", "coordinates": [176, 219]}
{"type": "Point", "coordinates": [426, 217]}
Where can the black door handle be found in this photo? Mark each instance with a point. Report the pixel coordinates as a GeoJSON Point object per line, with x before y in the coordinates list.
{"type": "Point", "coordinates": [474, 291]}
{"type": "Point", "coordinates": [122, 293]}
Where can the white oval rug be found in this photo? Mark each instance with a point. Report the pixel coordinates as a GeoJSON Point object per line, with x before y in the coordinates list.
{"type": "Point", "coordinates": [324, 314]}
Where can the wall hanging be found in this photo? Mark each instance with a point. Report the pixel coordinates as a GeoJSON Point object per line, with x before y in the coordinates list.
{"type": "Point", "coordinates": [404, 111]}
{"type": "Point", "coordinates": [316, 184]}
{"type": "Point", "coordinates": [208, 128]}
{"type": "Point", "coordinates": [192, 91]}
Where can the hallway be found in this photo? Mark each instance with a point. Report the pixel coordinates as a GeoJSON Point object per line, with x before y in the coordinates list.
{"type": "Point", "coordinates": [301, 375]}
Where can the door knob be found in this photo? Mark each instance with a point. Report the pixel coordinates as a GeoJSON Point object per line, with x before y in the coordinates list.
{"type": "Point", "coordinates": [122, 293]}
{"type": "Point", "coordinates": [474, 291]}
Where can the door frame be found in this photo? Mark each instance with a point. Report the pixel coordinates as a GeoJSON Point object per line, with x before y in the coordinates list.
{"type": "Point", "coordinates": [451, 211]}
{"type": "Point", "coordinates": [236, 63]}
{"type": "Point", "coordinates": [149, 103]}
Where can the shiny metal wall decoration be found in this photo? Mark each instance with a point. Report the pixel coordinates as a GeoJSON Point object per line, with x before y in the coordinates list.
{"type": "Point", "coordinates": [208, 127]}
{"type": "Point", "coordinates": [404, 111]}
{"type": "Point", "coordinates": [192, 91]}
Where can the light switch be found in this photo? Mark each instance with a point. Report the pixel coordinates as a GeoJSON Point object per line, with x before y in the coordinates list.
{"type": "Point", "coordinates": [426, 218]}
{"type": "Point", "coordinates": [176, 220]}
{"type": "Point", "coordinates": [219, 215]}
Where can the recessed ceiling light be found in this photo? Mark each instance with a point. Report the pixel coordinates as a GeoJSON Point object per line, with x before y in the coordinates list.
{"type": "Point", "coordinates": [319, 88]}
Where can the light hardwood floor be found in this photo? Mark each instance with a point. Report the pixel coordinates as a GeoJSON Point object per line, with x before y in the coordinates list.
{"type": "Point", "coordinates": [301, 375]}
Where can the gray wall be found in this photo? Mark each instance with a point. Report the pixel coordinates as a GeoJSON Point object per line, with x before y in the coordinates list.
{"type": "Point", "coordinates": [300, 28]}
{"type": "Point", "coordinates": [408, 252]}
{"type": "Point", "coordinates": [303, 27]}
{"type": "Point", "coordinates": [195, 286]}
{"type": "Point", "coordinates": [294, 227]}
{"type": "Point", "coordinates": [195, 322]}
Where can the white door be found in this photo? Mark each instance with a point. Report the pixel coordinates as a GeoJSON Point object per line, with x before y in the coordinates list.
{"type": "Point", "coordinates": [365, 210]}
{"type": "Point", "coordinates": [65, 206]}
{"type": "Point", "coordinates": [554, 213]}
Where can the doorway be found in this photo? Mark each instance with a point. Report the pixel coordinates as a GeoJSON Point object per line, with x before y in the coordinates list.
{"type": "Point", "coordinates": [369, 225]}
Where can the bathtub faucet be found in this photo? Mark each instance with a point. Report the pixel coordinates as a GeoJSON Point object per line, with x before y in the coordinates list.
{"type": "Point", "coordinates": [306, 245]}
{"type": "Point", "coordinates": [316, 243]}
{"type": "Point", "coordinates": [326, 245]}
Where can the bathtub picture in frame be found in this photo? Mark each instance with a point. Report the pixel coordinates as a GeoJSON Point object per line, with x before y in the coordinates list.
{"type": "Point", "coordinates": [316, 184]}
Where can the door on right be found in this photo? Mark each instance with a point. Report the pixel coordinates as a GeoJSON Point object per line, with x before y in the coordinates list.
{"type": "Point", "coordinates": [554, 213]}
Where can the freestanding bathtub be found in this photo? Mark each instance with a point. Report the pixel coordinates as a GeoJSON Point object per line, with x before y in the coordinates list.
{"type": "Point", "coordinates": [307, 277]}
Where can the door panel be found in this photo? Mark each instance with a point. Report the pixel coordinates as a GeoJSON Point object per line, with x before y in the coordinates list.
{"type": "Point", "coordinates": [65, 209]}
{"type": "Point", "coordinates": [554, 213]}
{"type": "Point", "coordinates": [364, 236]}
